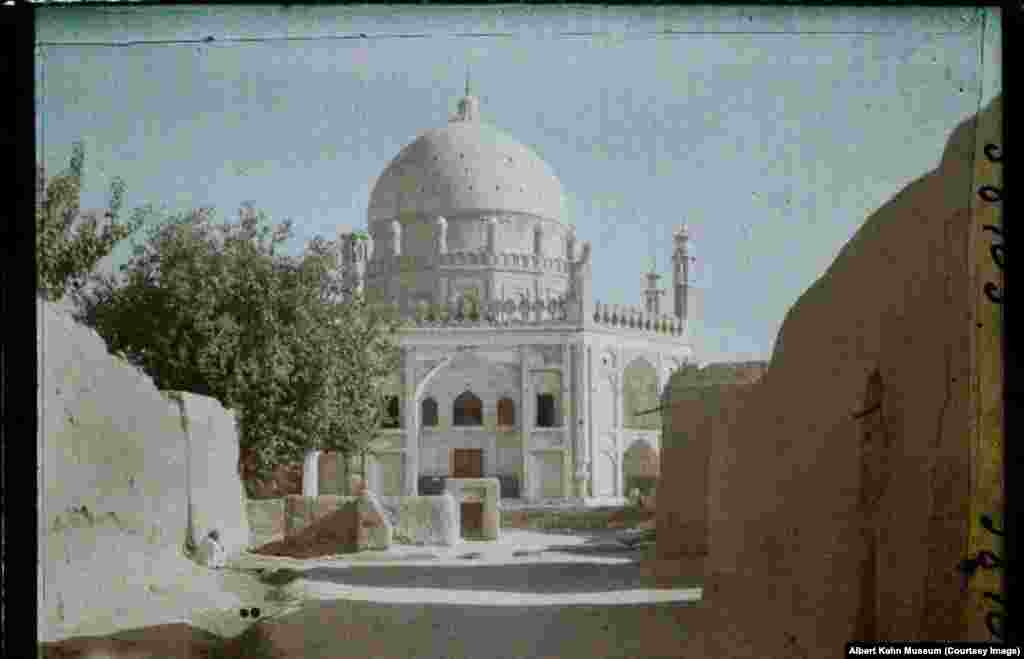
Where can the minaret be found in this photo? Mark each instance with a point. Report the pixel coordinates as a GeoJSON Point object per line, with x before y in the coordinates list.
{"type": "Point", "coordinates": [681, 260]}
{"type": "Point", "coordinates": [441, 236]}
{"type": "Point", "coordinates": [652, 294]}
{"type": "Point", "coordinates": [396, 238]}
{"type": "Point", "coordinates": [356, 250]}
{"type": "Point", "coordinates": [582, 278]}
{"type": "Point", "coordinates": [492, 235]}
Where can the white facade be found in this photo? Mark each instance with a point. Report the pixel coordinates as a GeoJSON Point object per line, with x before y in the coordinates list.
{"type": "Point", "coordinates": [467, 212]}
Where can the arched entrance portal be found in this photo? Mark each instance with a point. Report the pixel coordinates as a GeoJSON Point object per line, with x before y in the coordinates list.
{"type": "Point", "coordinates": [476, 431]}
{"type": "Point", "coordinates": [640, 467]}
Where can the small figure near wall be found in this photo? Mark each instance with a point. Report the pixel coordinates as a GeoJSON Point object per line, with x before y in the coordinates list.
{"type": "Point", "coordinates": [211, 553]}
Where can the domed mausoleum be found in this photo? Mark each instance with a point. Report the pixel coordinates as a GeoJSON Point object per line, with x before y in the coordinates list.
{"type": "Point", "coordinates": [465, 198]}
{"type": "Point", "coordinates": [509, 369]}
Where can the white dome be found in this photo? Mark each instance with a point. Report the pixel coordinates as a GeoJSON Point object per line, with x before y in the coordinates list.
{"type": "Point", "coordinates": [466, 167]}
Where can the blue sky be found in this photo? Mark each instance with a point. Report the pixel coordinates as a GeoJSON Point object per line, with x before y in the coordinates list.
{"type": "Point", "coordinates": [772, 132]}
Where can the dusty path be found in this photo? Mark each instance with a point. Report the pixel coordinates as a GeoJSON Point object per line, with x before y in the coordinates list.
{"type": "Point", "coordinates": [531, 594]}
{"type": "Point", "coordinates": [342, 628]}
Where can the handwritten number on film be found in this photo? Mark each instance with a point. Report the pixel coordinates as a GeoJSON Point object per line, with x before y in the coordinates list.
{"type": "Point", "coordinates": [993, 194]}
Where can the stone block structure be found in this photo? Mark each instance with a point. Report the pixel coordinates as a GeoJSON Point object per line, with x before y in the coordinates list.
{"type": "Point", "coordinates": [483, 492]}
{"type": "Point", "coordinates": [266, 520]}
{"type": "Point", "coordinates": [427, 520]}
{"type": "Point", "coordinates": [375, 530]}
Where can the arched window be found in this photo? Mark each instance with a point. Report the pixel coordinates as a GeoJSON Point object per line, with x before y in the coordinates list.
{"type": "Point", "coordinates": [545, 411]}
{"type": "Point", "coordinates": [640, 396]}
{"type": "Point", "coordinates": [392, 416]}
{"type": "Point", "coordinates": [640, 467]}
{"type": "Point", "coordinates": [506, 412]}
{"type": "Point", "coordinates": [428, 410]}
{"type": "Point", "coordinates": [468, 410]}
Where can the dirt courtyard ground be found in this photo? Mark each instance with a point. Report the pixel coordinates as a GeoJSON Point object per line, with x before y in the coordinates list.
{"type": "Point", "coordinates": [529, 594]}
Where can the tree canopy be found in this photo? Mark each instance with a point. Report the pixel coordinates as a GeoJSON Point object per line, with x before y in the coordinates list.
{"type": "Point", "coordinates": [68, 242]}
{"type": "Point", "coordinates": [218, 309]}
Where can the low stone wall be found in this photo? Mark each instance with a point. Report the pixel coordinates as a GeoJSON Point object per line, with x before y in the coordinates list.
{"type": "Point", "coordinates": [427, 520]}
{"type": "Point", "coordinates": [266, 520]}
{"type": "Point", "coordinates": [420, 520]}
{"type": "Point", "coordinates": [699, 418]}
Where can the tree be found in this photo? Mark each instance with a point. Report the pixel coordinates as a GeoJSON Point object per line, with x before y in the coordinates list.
{"type": "Point", "coordinates": [219, 310]}
{"type": "Point", "coordinates": [361, 336]}
{"type": "Point", "coordinates": [66, 254]}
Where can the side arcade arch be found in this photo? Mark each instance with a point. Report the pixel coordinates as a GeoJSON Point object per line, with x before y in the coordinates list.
{"type": "Point", "coordinates": [640, 395]}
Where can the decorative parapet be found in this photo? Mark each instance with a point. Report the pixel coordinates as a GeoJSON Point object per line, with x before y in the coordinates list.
{"type": "Point", "coordinates": [554, 310]}
{"type": "Point", "coordinates": [635, 318]}
{"type": "Point", "coordinates": [495, 313]}
{"type": "Point", "coordinates": [507, 261]}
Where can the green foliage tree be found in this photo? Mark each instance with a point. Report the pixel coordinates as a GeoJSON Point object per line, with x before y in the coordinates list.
{"type": "Point", "coordinates": [219, 310]}
{"type": "Point", "coordinates": [361, 333]}
{"type": "Point", "coordinates": [67, 254]}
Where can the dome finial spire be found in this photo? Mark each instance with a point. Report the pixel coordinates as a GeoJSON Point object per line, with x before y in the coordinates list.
{"type": "Point", "coordinates": [469, 105]}
{"type": "Point", "coordinates": [654, 254]}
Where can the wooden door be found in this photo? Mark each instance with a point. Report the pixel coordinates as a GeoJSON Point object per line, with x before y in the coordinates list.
{"type": "Point", "coordinates": [468, 463]}
{"type": "Point", "coordinates": [472, 518]}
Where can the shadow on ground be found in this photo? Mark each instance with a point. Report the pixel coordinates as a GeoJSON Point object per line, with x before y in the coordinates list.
{"type": "Point", "coordinates": [336, 629]}
{"type": "Point", "coordinates": [594, 549]}
{"type": "Point", "coordinates": [597, 542]}
{"type": "Point", "coordinates": [591, 535]}
{"type": "Point", "coordinates": [542, 578]}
